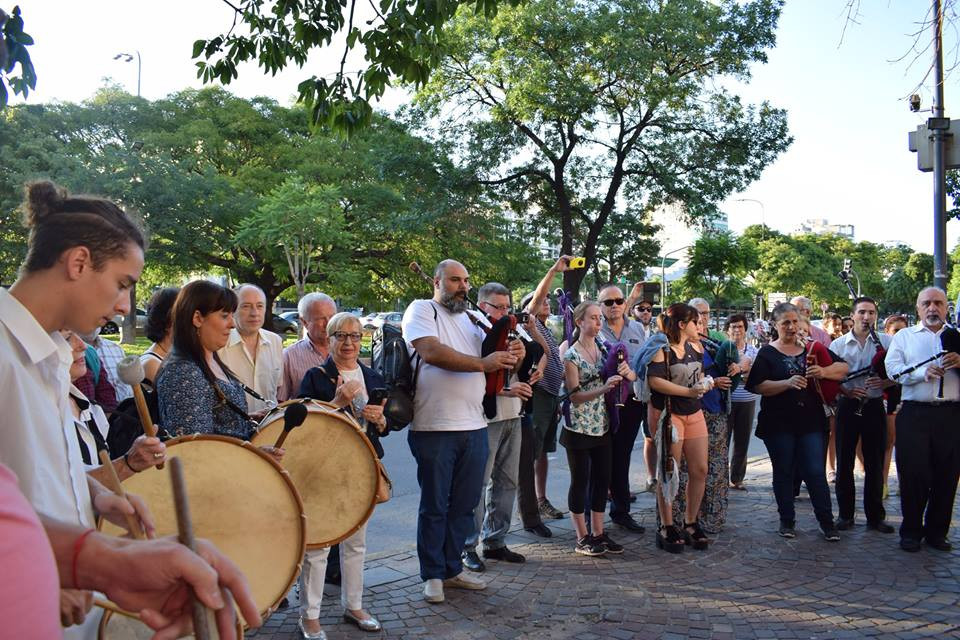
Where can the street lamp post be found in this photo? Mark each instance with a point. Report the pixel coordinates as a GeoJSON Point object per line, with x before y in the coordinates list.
{"type": "Point", "coordinates": [126, 57]}
{"type": "Point", "coordinates": [763, 215]}
{"type": "Point", "coordinates": [663, 274]}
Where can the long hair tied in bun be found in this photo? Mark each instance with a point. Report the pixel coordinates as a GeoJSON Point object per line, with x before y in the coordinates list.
{"type": "Point", "coordinates": [59, 221]}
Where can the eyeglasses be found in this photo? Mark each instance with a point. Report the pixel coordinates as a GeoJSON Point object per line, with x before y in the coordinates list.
{"type": "Point", "coordinates": [342, 335]}
{"type": "Point", "coordinates": [612, 301]}
{"type": "Point", "coordinates": [644, 309]}
{"type": "Point", "coordinates": [498, 307]}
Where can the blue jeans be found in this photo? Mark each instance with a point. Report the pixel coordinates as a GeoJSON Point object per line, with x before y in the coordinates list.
{"type": "Point", "coordinates": [806, 453]}
{"type": "Point", "coordinates": [450, 472]}
{"type": "Point", "coordinates": [495, 508]}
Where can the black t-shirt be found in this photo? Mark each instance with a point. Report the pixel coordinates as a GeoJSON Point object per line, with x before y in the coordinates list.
{"type": "Point", "coordinates": [685, 372]}
{"type": "Point", "coordinates": [796, 411]}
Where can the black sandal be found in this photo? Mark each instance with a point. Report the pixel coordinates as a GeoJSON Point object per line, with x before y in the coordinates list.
{"type": "Point", "coordinates": [669, 539]}
{"type": "Point", "coordinates": [695, 536]}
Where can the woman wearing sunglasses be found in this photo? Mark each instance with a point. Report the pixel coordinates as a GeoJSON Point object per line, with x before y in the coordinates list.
{"type": "Point", "coordinates": [345, 382]}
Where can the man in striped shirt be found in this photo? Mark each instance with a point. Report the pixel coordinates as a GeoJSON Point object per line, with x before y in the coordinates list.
{"type": "Point", "coordinates": [315, 310]}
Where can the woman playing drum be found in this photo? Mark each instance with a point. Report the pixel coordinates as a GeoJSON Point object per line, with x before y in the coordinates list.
{"type": "Point", "coordinates": [343, 381]}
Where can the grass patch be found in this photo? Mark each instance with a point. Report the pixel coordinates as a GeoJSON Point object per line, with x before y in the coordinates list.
{"type": "Point", "coordinates": [143, 343]}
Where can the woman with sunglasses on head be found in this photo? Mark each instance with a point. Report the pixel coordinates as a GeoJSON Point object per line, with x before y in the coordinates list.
{"type": "Point", "coordinates": [792, 422]}
{"type": "Point", "coordinates": [344, 381]}
{"type": "Point", "coordinates": [675, 374]}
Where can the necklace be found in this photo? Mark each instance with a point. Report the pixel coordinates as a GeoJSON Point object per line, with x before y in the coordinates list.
{"type": "Point", "coordinates": [594, 355]}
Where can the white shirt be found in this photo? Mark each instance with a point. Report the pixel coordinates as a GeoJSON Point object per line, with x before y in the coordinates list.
{"type": "Point", "coordinates": [37, 440]}
{"type": "Point", "coordinates": [445, 400]}
{"type": "Point", "coordinates": [910, 346]}
{"type": "Point", "coordinates": [507, 407]}
{"type": "Point", "coordinates": [264, 376]}
{"type": "Point", "coordinates": [848, 347]}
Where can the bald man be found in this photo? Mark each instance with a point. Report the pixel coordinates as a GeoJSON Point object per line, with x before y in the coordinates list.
{"type": "Point", "coordinates": [252, 353]}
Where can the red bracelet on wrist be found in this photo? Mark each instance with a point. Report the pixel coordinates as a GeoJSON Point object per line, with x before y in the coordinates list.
{"type": "Point", "coordinates": [77, 545]}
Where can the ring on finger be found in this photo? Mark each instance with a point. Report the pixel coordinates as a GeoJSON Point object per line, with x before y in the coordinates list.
{"type": "Point", "coordinates": [158, 455]}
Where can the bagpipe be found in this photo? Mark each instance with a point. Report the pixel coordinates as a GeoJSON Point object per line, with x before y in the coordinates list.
{"type": "Point", "coordinates": [877, 366]}
{"type": "Point", "coordinates": [498, 336]}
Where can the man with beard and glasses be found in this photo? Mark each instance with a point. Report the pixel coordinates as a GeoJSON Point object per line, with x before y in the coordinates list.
{"type": "Point", "coordinates": [448, 435]}
{"type": "Point", "coordinates": [928, 440]}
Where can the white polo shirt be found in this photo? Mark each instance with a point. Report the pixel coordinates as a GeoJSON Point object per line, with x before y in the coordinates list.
{"type": "Point", "coordinates": [37, 439]}
{"type": "Point", "coordinates": [262, 376]}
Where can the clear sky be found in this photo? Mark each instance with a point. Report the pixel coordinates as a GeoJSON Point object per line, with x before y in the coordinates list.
{"type": "Point", "coordinates": [849, 162]}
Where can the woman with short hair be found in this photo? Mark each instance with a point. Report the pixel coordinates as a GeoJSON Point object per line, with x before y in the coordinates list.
{"type": "Point", "coordinates": [159, 330]}
{"type": "Point", "coordinates": [743, 403]}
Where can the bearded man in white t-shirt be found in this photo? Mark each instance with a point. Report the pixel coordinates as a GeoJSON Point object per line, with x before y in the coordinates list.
{"type": "Point", "coordinates": [448, 435]}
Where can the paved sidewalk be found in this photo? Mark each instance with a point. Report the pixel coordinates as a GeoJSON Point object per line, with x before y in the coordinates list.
{"type": "Point", "coordinates": [749, 584]}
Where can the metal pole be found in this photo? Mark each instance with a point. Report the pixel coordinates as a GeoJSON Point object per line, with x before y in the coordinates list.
{"type": "Point", "coordinates": [763, 215]}
{"type": "Point", "coordinates": [939, 161]}
{"type": "Point", "coordinates": [138, 73]}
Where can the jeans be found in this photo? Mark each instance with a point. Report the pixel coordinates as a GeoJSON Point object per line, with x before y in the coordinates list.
{"type": "Point", "coordinates": [631, 415]}
{"type": "Point", "coordinates": [871, 430]}
{"type": "Point", "coordinates": [499, 486]}
{"type": "Point", "coordinates": [806, 451]}
{"type": "Point", "coordinates": [450, 473]}
{"type": "Point", "coordinates": [928, 464]}
{"type": "Point", "coordinates": [739, 424]}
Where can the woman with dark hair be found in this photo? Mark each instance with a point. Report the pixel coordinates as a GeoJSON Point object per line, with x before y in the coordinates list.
{"type": "Point", "coordinates": [159, 329]}
{"type": "Point", "coordinates": [196, 392]}
{"type": "Point", "coordinates": [792, 422]}
{"type": "Point", "coordinates": [676, 375]}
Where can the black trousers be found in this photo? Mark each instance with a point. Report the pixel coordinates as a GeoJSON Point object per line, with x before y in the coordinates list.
{"type": "Point", "coordinates": [870, 429]}
{"type": "Point", "coordinates": [631, 415]}
{"type": "Point", "coordinates": [928, 463]}
{"type": "Point", "coordinates": [739, 425]}
{"type": "Point", "coordinates": [589, 478]}
{"type": "Point", "coordinates": [526, 492]}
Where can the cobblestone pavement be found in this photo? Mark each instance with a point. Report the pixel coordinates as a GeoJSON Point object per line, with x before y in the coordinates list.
{"type": "Point", "coordinates": [749, 584]}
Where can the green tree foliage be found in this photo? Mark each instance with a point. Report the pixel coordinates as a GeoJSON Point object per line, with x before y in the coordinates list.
{"type": "Point", "coordinates": [400, 41]}
{"type": "Point", "coordinates": [569, 109]}
{"type": "Point", "coordinates": [13, 52]}
{"type": "Point", "coordinates": [718, 263]}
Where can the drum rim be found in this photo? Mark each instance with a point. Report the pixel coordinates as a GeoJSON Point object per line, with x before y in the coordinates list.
{"type": "Point", "coordinates": [334, 411]}
{"type": "Point", "coordinates": [249, 446]}
{"type": "Point", "coordinates": [107, 614]}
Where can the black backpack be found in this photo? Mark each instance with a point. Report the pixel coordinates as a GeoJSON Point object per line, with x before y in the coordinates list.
{"type": "Point", "coordinates": [125, 425]}
{"type": "Point", "coordinates": [391, 360]}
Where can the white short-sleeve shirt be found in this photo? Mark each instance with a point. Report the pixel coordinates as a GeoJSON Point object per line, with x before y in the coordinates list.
{"type": "Point", "coordinates": [445, 400]}
{"type": "Point", "coordinates": [263, 376]}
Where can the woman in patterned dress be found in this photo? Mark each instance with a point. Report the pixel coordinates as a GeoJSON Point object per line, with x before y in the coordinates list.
{"type": "Point", "coordinates": [587, 437]}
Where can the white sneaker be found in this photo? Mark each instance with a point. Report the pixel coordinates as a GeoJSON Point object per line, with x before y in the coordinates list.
{"type": "Point", "coordinates": [433, 590]}
{"type": "Point", "coordinates": [464, 580]}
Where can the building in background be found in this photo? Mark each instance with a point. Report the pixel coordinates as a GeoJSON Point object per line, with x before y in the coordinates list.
{"type": "Point", "coordinates": [822, 226]}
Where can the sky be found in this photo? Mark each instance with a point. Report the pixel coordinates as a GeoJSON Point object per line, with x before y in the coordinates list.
{"type": "Point", "coordinates": [846, 102]}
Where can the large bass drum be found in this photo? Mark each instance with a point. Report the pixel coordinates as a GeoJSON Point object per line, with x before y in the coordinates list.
{"type": "Point", "coordinates": [334, 467]}
{"type": "Point", "coordinates": [119, 627]}
{"type": "Point", "coordinates": [241, 500]}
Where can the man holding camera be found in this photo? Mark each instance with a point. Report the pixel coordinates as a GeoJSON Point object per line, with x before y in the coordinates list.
{"type": "Point", "coordinates": [448, 436]}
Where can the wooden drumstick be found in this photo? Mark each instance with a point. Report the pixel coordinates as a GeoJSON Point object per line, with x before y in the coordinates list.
{"type": "Point", "coordinates": [113, 483]}
{"type": "Point", "coordinates": [130, 371]}
{"type": "Point", "coordinates": [109, 606]}
{"type": "Point", "coordinates": [203, 619]}
{"type": "Point", "coordinates": [293, 417]}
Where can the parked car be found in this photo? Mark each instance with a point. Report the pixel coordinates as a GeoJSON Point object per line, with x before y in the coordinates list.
{"type": "Point", "coordinates": [292, 317]}
{"type": "Point", "coordinates": [376, 320]}
{"type": "Point", "coordinates": [282, 325]}
{"type": "Point", "coordinates": [113, 326]}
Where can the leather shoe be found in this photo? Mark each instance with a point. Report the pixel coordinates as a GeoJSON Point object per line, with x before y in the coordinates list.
{"type": "Point", "coordinates": [473, 562]}
{"type": "Point", "coordinates": [844, 524]}
{"type": "Point", "coordinates": [880, 526]}
{"type": "Point", "coordinates": [910, 544]}
{"type": "Point", "coordinates": [541, 530]}
{"type": "Point", "coordinates": [628, 523]}
{"type": "Point", "coordinates": [940, 544]}
{"type": "Point", "coordinates": [364, 624]}
{"type": "Point", "coordinates": [502, 553]}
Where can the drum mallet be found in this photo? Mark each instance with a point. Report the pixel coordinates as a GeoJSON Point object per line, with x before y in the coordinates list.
{"type": "Point", "coordinates": [130, 371]}
{"type": "Point", "coordinates": [203, 618]}
{"type": "Point", "coordinates": [293, 416]}
{"type": "Point", "coordinates": [114, 485]}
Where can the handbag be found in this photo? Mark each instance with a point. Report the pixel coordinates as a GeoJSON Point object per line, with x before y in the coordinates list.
{"type": "Point", "coordinates": [384, 485]}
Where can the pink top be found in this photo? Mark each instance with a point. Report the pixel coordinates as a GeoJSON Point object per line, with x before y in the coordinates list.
{"type": "Point", "coordinates": [820, 336]}
{"type": "Point", "coordinates": [30, 592]}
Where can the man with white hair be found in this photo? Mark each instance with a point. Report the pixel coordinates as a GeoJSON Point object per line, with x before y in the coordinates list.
{"type": "Point", "coordinates": [252, 353]}
{"type": "Point", "coordinates": [805, 306]}
{"type": "Point", "coordinates": [928, 440]}
{"type": "Point", "coordinates": [703, 308]}
{"type": "Point", "coordinates": [315, 310]}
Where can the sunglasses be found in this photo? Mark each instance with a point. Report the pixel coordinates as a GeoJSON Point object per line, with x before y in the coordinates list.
{"type": "Point", "coordinates": [612, 301]}
{"type": "Point", "coordinates": [645, 309]}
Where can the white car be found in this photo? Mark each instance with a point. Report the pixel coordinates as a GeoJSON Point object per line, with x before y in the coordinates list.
{"type": "Point", "coordinates": [376, 320]}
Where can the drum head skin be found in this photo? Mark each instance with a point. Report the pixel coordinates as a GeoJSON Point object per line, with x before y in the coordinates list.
{"type": "Point", "coordinates": [241, 500]}
{"type": "Point", "coordinates": [334, 467]}
{"type": "Point", "coordinates": [117, 627]}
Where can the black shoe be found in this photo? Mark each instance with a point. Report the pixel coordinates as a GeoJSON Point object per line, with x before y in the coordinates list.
{"type": "Point", "coordinates": [333, 578]}
{"type": "Point", "coordinates": [473, 562]}
{"type": "Point", "coordinates": [670, 540]}
{"type": "Point", "coordinates": [541, 530]}
{"type": "Point", "coordinates": [502, 553]}
{"type": "Point", "coordinates": [910, 544]}
{"type": "Point", "coordinates": [627, 522]}
{"type": "Point", "coordinates": [283, 603]}
{"type": "Point", "coordinates": [940, 544]}
{"type": "Point", "coordinates": [880, 526]}
{"type": "Point", "coordinates": [787, 530]}
{"type": "Point", "coordinates": [695, 536]}
{"type": "Point", "coordinates": [844, 524]}
{"type": "Point", "coordinates": [589, 546]}
{"type": "Point", "coordinates": [830, 533]}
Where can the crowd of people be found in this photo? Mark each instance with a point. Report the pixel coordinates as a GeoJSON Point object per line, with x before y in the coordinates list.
{"type": "Point", "coordinates": [690, 392]}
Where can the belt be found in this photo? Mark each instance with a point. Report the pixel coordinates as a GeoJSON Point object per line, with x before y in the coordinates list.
{"type": "Point", "coordinates": [941, 403]}
{"type": "Point", "coordinates": [846, 399]}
